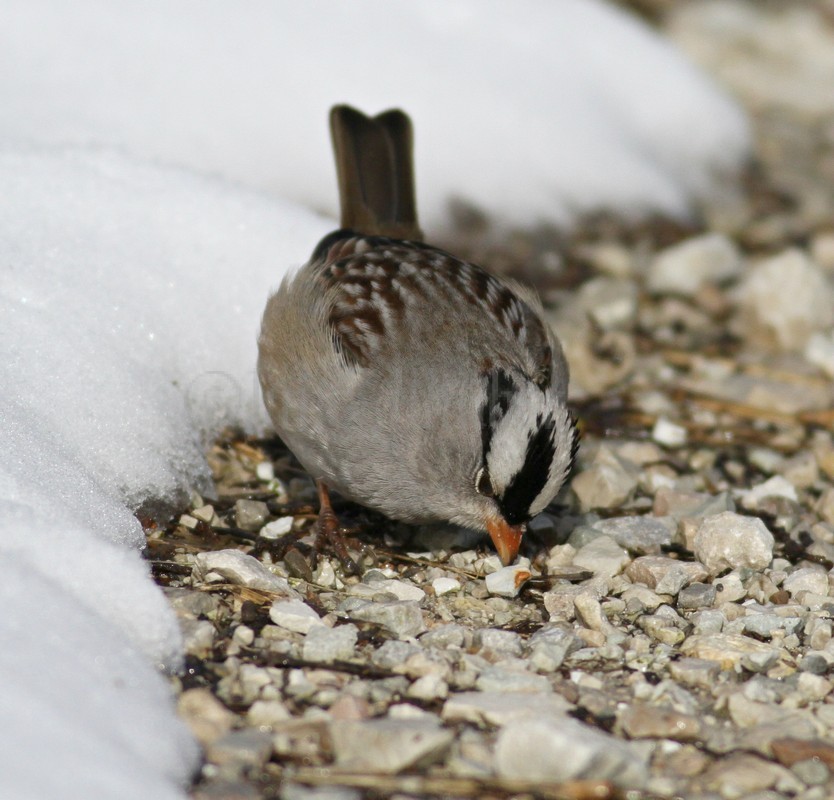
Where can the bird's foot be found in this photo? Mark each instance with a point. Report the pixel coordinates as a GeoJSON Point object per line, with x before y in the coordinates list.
{"type": "Point", "coordinates": [329, 534]}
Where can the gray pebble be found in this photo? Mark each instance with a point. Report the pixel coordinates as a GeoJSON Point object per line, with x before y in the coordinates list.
{"type": "Point", "coordinates": [241, 749]}
{"type": "Point", "coordinates": [500, 679]}
{"type": "Point", "coordinates": [238, 568]}
{"type": "Point", "coordinates": [323, 644]}
{"type": "Point", "coordinates": [250, 515]}
{"type": "Point", "coordinates": [445, 636]}
{"type": "Point", "coordinates": [402, 618]}
{"type": "Point", "coordinates": [498, 641]}
{"type": "Point", "coordinates": [389, 745]}
{"type": "Point", "coordinates": [644, 535]}
{"type": "Point", "coordinates": [696, 595]}
{"type": "Point", "coordinates": [394, 653]}
{"type": "Point", "coordinates": [552, 750]}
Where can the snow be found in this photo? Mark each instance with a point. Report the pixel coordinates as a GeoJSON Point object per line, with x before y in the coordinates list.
{"type": "Point", "coordinates": [531, 110]}
{"type": "Point", "coordinates": [157, 164]}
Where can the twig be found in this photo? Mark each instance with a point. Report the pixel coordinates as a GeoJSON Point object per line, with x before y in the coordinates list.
{"type": "Point", "coordinates": [437, 785]}
{"type": "Point", "coordinates": [425, 562]}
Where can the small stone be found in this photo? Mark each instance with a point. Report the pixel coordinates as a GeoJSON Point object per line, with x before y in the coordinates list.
{"type": "Point", "coordinates": [302, 739]}
{"type": "Point", "coordinates": [393, 654]}
{"type": "Point", "coordinates": [643, 535]}
{"type": "Point", "coordinates": [402, 590]}
{"type": "Point", "coordinates": [350, 707]}
{"type": "Point", "coordinates": [277, 528]}
{"type": "Point", "coordinates": [389, 746]}
{"type": "Point", "coordinates": [764, 625]}
{"type": "Point", "coordinates": [607, 483]}
{"type": "Point", "coordinates": [500, 679]}
{"type": "Point", "coordinates": [266, 714]}
{"type": "Point", "coordinates": [681, 505]}
{"type": "Point", "coordinates": [740, 775]}
{"type": "Point", "coordinates": [729, 589]}
{"type": "Point", "coordinates": [807, 579]}
{"type": "Point", "coordinates": [685, 267]}
{"type": "Point", "coordinates": [323, 644]}
{"type": "Point", "coordinates": [402, 618]}
{"type": "Point", "coordinates": [815, 663]}
{"type": "Point", "coordinates": [696, 595]}
{"type": "Point", "coordinates": [727, 649]}
{"type": "Point", "coordinates": [560, 603]}
{"type": "Point", "coordinates": [265, 471]}
{"type": "Point", "coordinates": [244, 635]}
{"type": "Point", "coordinates": [610, 302]}
{"type": "Point", "coordinates": [250, 515]}
{"type": "Point", "coordinates": [204, 514]}
{"type": "Point", "coordinates": [671, 574]}
{"type": "Point", "coordinates": [500, 708]}
{"type": "Point", "coordinates": [507, 581]}
{"type": "Point", "coordinates": [207, 718]}
{"type": "Point", "coordinates": [554, 750]}
{"type": "Point", "coordinates": [443, 586]}
{"type": "Point", "coordinates": [603, 556]}
{"type": "Point", "coordinates": [187, 521]}
{"type": "Point", "coordinates": [444, 637]}
{"type": "Point", "coordinates": [819, 351]}
{"type": "Point", "coordinates": [640, 721]}
{"type": "Point", "coordinates": [191, 604]}
{"type": "Point", "coordinates": [813, 687]}
{"type": "Point", "coordinates": [784, 300]}
{"type": "Point", "coordinates": [243, 749]}
{"type": "Point", "coordinates": [777, 486]}
{"type": "Point", "coordinates": [549, 647]}
{"type": "Point", "coordinates": [811, 772]}
{"type": "Point", "coordinates": [294, 615]}
{"type": "Point", "coordinates": [792, 751]}
{"type": "Point", "coordinates": [498, 641]}
{"type": "Point", "coordinates": [429, 689]}
{"type": "Point", "coordinates": [198, 636]}
{"type": "Point", "coordinates": [728, 540]}
{"type": "Point", "coordinates": [825, 505]}
{"type": "Point", "coordinates": [695, 672]}
{"type": "Point", "coordinates": [669, 434]}
{"type": "Point", "coordinates": [589, 611]}
{"type": "Point", "coordinates": [241, 569]}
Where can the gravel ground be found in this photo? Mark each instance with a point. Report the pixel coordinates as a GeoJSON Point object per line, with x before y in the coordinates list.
{"type": "Point", "coordinates": [668, 631]}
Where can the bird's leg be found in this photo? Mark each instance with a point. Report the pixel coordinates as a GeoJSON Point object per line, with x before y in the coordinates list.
{"type": "Point", "coordinates": [329, 533]}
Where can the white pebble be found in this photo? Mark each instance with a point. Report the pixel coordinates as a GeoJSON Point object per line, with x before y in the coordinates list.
{"type": "Point", "coordinates": [265, 471]}
{"type": "Point", "coordinates": [445, 585]}
{"type": "Point", "coordinates": [820, 352]}
{"type": "Point", "coordinates": [668, 433]}
{"type": "Point", "coordinates": [684, 267]}
{"type": "Point", "coordinates": [729, 540]}
{"type": "Point", "coordinates": [294, 615]}
{"type": "Point", "coordinates": [507, 582]}
{"type": "Point", "coordinates": [277, 528]}
{"type": "Point", "coordinates": [187, 521]}
{"type": "Point", "coordinates": [777, 486]}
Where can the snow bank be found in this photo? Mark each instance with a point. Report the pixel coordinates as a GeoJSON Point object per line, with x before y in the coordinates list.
{"type": "Point", "coordinates": [130, 294]}
{"type": "Point", "coordinates": [531, 110]}
{"type": "Point", "coordinates": [130, 301]}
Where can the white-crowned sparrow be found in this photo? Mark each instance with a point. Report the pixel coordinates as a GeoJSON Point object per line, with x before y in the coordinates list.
{"type": "Point", "coordinates": [406, 379]}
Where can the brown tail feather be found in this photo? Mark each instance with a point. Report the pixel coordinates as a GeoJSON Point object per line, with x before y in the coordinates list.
{"type": "Point", "coordinates": [376, 172]}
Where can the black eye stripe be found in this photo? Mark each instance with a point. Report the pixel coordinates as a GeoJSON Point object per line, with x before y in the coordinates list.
{"type": "Point", "coordinates": [528, 483]}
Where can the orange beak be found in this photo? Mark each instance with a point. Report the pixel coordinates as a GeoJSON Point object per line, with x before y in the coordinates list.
{"type": "Point", "coordinates": [506, 538]}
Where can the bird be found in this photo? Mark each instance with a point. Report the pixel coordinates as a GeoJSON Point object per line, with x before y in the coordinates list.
{"type": "Point", "coordinates": [404, 378]}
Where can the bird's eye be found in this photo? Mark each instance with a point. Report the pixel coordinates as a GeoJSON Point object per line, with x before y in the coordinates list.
{"type": "Point", "coordinates": [483, 485]}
